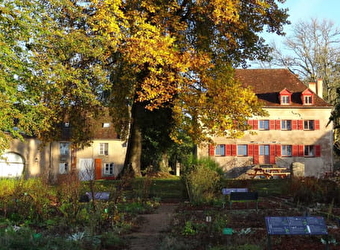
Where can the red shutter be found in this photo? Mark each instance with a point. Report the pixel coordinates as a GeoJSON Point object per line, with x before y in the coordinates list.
{"type": "Point", "coordinates": [251, 123]}
{"type": "Point", "coordinates": [294, 125]}
{"type": "Point", "coordinates": [233, 150]}
{"type": "Point", "coordinates": [295, 150]}
{"type": "Point", "coordinates": [255, 124]}
{"type": "Point", "coordinates": [277, 124]}
{"type": "Point", "coordinates": [300, 124]}
{"type": "Point", "coordinates": [271, 124]}
{"type": "Point", "coordinates": [256, 154]}
{"type": "Point", "coordinates": [98, 169]}
{"type": "Point", "coordinates": [211, 150]}
{"type": "Point", "coordinates": [250, 150]}
{"type": "Point", "coordinates": [227, 149]}
{"type": "Point", "coordinates": [317, 125]}
{"type": "Point", "coordinates": [301, 150]}
{"type": "Point", "coordinates": [272, 154]}
{"type": "Point", "coordinates": [317, 150]}
{"type": "Point", "coordinates": [278, 150]}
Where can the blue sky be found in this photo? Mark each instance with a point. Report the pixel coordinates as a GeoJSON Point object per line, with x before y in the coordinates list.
{"type": "Point", "coordinates": [306, 9]}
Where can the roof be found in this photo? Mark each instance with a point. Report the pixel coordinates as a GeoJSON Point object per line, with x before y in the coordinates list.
{"type": "Point", "coordinates": [268, 83]}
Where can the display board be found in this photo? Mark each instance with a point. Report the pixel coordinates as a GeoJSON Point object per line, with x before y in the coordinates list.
{"type": "Point", "coordinates": [227, 191]}
{"type": "Point", "coordinates": [304, 225]}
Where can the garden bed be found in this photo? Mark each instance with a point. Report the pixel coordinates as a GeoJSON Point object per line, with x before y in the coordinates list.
{"type": "Point", "coordinates": [201, 227]}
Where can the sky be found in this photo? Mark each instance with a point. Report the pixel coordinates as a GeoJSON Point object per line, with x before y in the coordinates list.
{"type": "Point", "coordinates": [300, 10]}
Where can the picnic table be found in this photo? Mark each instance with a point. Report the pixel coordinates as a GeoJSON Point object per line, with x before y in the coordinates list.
{"type": "Point", "coordinates": [269, 172]}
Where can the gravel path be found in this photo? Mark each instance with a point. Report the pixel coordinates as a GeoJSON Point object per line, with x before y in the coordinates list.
{"type": "Point", "coordinates": [156, 225]}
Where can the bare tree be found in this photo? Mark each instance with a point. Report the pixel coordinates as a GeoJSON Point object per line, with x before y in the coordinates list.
{"type": "Point", "coordinates": [312, 52]}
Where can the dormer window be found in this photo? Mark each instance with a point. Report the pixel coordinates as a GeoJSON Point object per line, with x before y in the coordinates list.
{"type": "Point", "coordinates": [308, 100]}
{"type": "Point", "coordinates": [307, 97]}
{"type": "Point", "coordinates": [285, 97]}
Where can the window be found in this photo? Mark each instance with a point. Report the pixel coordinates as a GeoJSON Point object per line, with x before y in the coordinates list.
{"type": "Point", "coordinates": [103, 149]}
{"type": "Point", "coordinates": [308, 99]}
{"type": "Point", "coordinates": [242, 150]}
{"type": "Point", "coordinates": [286, 150]}
{"type": "Point", "coordinates": [308, 125]}
{"type": "Point", "coordinates": [264, 124]}
{"type": "Point", "coordinates": [309, 150]}
{"type": "Point", "coordinates": [220, 150]}
{"type": "Point", "coordinates": [286, 125]}
{"type": "Point", "coordinates": [63, 168]}
{"type": "Point", "coordinates": [264, 149]}
{"type": "Point", "coordinates": [64, 148]}
{"type": "Point", "coordinates": [109, 168]}
{"type": "Point", "coordinates": [285, 99]}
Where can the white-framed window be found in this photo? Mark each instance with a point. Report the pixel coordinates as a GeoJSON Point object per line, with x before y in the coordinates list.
{"type": "Point", "coordinates": [286, 150]}
{"type": "Point", "coordinates": [264, 124]}
{"type": "Point", "coordinates": [64, 148]}
{"type": "Point", "coordinates": [108, 168]}
{"type": "Point", "coordinates": [285, 99]}
{"type": "Point", "coordinates": [286, 125]}
{"type": "Point", "coordinates": [308, 99]}
{"type": "Point", "coordinates": [264, 149]}
{"type": "Point", "coordinates": [242, 150]}
{"type": "Point", "coordinates": [103, 148]}
{"type": "Point", "coordinates": [308, 124]}
{"type": "Point", "coordinates": [220, 150]}
{"type": "Point", "coordinates": [309, 150]}
{"type": "Point", "coordinates": [63, 168]}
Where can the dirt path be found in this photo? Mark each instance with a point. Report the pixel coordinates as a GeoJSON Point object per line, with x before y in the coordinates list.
{"type": "Point", "coordinates": [149, 236]}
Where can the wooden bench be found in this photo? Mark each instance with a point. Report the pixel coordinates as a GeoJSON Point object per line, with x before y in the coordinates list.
{"type": "Point", "coordinates": [243, 197]}
{"type": "Point", "coordinates": [299, 225]}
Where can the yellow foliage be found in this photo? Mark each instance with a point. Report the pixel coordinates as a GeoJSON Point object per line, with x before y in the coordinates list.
{"type": "Point", "coordinates": [181, 56]}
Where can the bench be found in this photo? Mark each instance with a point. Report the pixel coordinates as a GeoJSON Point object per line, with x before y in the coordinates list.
{"type": "Point", "coordinates": [243, 197]}
{"type": "Point", "coordinates": [299, 225]}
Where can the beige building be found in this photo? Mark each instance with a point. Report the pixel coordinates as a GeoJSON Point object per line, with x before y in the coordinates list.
{"type": "Point", "coordinates": [103, 159]}
{"type": "Point", "coordinates": [296, 132]}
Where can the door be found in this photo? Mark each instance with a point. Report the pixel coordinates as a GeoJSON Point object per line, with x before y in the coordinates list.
{"type": "Point", "coordinates": [11, 165]}
{"type": "Point", "coordinates": [264, 154]}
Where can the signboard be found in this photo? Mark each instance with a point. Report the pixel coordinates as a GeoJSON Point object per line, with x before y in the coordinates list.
{"type": "Point", "coordinates": [99, 195]}
{"type": "Point", "coordinates": [306, 225]}
{"type": "Point", "coordinates": [227, 191]}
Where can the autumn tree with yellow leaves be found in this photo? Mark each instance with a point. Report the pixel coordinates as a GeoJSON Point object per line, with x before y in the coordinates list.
{"type": "Point", "coordinates": [180, 55]}
{"type": "Point", "coordinates": [137, 56]}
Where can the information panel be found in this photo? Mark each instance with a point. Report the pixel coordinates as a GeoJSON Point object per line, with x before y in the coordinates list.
{"type": "Point", "coordinates": [227, 191]}
{"type": "Point", "coordinates": [296, 225]}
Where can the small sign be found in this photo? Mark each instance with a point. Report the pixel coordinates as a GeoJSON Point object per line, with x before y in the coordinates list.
{"type": "Point", "coordinates": [227, 191]}
{"type": "Point", "coordinates": [227, 231]}
{"type": "Point", "coordinates": [99, 195]}
{"type": "Point", "coordinates": [296, 225]}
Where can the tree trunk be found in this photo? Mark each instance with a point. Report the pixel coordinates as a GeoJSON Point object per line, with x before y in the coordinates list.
{"type": "Point", "coordinates": [132, 162]}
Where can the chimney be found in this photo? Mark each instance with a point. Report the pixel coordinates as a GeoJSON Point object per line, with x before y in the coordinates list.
{"type": "Point", "coordinates": [312, 86]}
{"type": "Point", "coordinates": [319, 88]}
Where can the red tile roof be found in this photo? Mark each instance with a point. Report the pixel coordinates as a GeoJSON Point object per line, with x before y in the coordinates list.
{"type": "Point", "coordinates": [267, 84]}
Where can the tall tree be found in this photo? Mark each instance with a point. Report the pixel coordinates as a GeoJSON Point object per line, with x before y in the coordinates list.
{"type": "Point", "coordinates": [313, 52]}
{"type": "Point", "coordinates": [21, 110]}
{"type": "Point", "coordinates": [71, 66]}
{"type": "Point", "coordinates": [179, 54]}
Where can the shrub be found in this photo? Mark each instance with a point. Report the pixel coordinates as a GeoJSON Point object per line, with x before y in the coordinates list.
{"type": "Point", "coordinates": [202, 180]}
